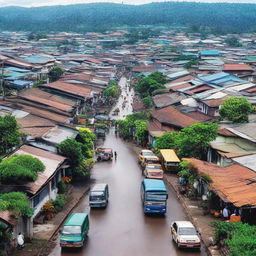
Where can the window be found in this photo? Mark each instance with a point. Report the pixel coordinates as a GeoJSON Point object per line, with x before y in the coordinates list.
{"type": "Point", "coordinates": [39, 197]}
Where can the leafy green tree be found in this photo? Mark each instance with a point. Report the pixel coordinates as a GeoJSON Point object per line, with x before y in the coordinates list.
{"type": "Point", "coordinates": [167, 141]}
{"type": "Point", "coordinates": [126, 127]}
{"type": "Point", "coordinates": [9, 133]}
{"type": "Point", "coordinates": [17, 203]}
{"type": "Point", "coordinates": [55, 73]}
{"type": "Point", "coordinates": [236, 110]}
{"type": "Point", "coordinates": [148, 102]}
{"type": "Point", "coordinates": [159, 77]}
{"type": "Point", "coordinates": [112, 91]}
{"type": "Point", "coordinates": [233, 42]}
{"type": "Point", "coordinates": [86, 138]}
{"type": "Point", "coordinates": [146, 86]}
{"type": "Point", "coordinates": [71, 149]}
{"type": "Point", "coordinates": [84, 167]}
{"type": "Point", "coordinates": [19, 169]}
{"type": "Point", "coordinates": [193, 141]}
{"type": "Point", "coordinates": [141, 131]}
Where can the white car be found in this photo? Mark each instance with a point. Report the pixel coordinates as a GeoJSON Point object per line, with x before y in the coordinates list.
{"type": "Point", "coordinates": [185, 235]}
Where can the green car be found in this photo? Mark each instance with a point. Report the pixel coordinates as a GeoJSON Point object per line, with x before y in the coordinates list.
{"type": "Point", "coordinates": [75, 230]}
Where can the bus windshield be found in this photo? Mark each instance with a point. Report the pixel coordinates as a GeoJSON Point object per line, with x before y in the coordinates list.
{"type": "Point", "coordinates": [154, 196]}
{"type": "Point", "coordinates": [71, 231]}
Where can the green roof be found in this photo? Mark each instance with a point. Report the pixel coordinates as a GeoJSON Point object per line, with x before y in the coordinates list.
{"type": "Point", "coordinates": [76, 219]}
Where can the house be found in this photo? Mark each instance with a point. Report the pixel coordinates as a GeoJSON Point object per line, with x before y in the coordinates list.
{"type": "Point", "coordinates": [45, 187]}
{"type": "Point", "coordinates": [232, 141]}
{"type": "Point", "coordinates": [165, 120]}
{"type": "Point", "coordinates": [241, 70]}
{"type": "Point", "coordinates": [232, 185]}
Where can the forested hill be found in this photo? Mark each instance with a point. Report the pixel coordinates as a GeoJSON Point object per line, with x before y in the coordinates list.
{"type": "Point", "coordinates": [100, 16]}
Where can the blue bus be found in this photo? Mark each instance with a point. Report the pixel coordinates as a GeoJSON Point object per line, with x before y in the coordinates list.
{"type": "Point", "coordinates": [154, 196]}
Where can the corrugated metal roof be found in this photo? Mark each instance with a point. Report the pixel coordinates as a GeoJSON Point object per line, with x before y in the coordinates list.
{"type": "Point", "coordinates": [169, 155]}
{"type": "Point", "coordinates": [234, 183]}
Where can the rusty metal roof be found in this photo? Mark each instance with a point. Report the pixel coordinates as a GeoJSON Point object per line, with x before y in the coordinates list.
{"type": "Point", "coordinates": [235, 183]}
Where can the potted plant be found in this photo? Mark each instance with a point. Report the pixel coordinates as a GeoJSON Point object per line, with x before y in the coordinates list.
{"type": "Point", "coordinates": [48, 210]}
{"type": "Point", "coordinates": [81, 118]}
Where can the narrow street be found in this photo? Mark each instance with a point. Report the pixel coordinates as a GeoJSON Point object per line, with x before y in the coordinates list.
{"type": "Point", "coordinates": [122, 229]}
{"type": "Point", "coordinates": [124, 103]}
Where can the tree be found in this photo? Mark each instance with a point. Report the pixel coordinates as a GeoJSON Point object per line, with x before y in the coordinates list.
{"type": "Point", "coordinates": [233, 42]}
{"type": "Point", "coordinates": [112, 91]}
{"type": "Point", "coordinates": [141, 131]}
{"type": "Point", "coordinates": [236, 110]}
{"type": "Point", "coordinates": [148, 102]}
{"type": "Point", "coordinates": [71, 149]}
{"type": "Point", "coordinates": [191, 141]}
{"type": "Point", "coordinates": [55, 73]}
{"type": "Point", "coordinates": [159, 77]}
{"type": "Point", "coordinates": [9, 133]}
{"type": "Point", "coordinates": [17, 203]}
{"type": "Point", "coordinates": [19, 169]}
{"type": "Point", "coordinates": [167, 141]}
{"type": "Point", "coordinates": [86, 138]}
{"type": "Point", "coordinates": [146, 86]}
{"type": "Point", "coordinates": [194, 140]}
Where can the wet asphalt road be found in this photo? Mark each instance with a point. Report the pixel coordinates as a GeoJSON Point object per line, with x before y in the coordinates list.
{"type": "Point", "coordinates": [122, 229]}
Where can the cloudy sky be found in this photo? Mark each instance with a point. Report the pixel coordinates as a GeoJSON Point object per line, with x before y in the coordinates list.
{"type": "Point", "coordinates": [31, 3]}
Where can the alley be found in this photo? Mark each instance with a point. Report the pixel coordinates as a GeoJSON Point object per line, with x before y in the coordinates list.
{"type": "Point", "coordinates": [124, 103]}
{"type": "Point", "coordinates": [122, 228]}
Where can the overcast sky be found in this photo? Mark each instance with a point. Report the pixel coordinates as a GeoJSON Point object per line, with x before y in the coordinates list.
{"type": "Point", "coordinates": [31, 3]}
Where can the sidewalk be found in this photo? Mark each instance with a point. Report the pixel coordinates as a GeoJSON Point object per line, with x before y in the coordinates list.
{"type": "Point", "coordinates": [196, 216]}
{"type": "Point", "coordinates": [44, 233]}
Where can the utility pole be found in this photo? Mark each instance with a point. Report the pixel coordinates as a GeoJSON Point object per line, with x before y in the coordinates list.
{"type": "Point", "coordinates": [2, 80]}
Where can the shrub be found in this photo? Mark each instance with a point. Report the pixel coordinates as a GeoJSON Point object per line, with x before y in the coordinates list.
{"type": "Point", "coordinates": [62, 187]}
{"type": "Point", "coordinates": [59, 202]}
{"type": "Point", "coordinates": [48, 207]}
{"type": "Point", "coordinates": [17, 203]}
{"type": "Point", "coordinates": [20, 168]}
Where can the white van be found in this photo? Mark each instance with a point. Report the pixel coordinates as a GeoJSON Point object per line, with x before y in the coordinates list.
{"type": "Point", "coordinates": [98, 196]}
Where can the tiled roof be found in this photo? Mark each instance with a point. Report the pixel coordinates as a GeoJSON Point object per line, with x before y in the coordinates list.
{"type": "Point", "coordinates": [233, 183]}
{"type": "Point", "coordinates": [172, 116]}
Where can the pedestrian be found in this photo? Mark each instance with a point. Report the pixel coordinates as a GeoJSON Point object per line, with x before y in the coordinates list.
{"type": "Point", "coordinates": [20, 240]}
{"type": "Point", "coordinates": [115, 155]}
{"type": "Point", "coordinates": [116, 132]}
{"type": "Point", "coordinates": [225, 213]}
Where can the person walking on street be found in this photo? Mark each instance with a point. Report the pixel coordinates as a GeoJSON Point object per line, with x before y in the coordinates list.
{"type": "Point", "coordinates": [20, 240]}
{"type": "Point", "coordinates": [115, 155]}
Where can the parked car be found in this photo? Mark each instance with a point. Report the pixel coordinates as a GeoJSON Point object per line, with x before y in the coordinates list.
{"type": "Point", "coordinates": [75, 230]}
{"type": "Point", "coordinates": [104, 154]}
{"type": "Point", "coordinates": [153, 171]}
{"type": "Point", "coordinates": [185, 235]}
{"type": "Point", "coordinates": [147, 157]}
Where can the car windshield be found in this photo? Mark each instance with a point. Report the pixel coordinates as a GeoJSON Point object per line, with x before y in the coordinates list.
{"type": "Point", "coordinates": [147, 153]}
{"type": "Point", "coordinates": [154, 167]}
{"type": "Point", "coordinates": [187, 231]}
{"type": "Point", "coordinates": [71, 231]}
{"type": "Point", "coordinates": [156, 196]}
{"type": "Point", "coordinates": [96, 195]}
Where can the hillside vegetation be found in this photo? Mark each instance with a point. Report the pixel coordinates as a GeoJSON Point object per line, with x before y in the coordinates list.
{"type": "Point", "coordinates": [101, 16]}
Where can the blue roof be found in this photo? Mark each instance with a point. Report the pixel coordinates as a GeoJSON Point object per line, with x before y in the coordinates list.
{"type": "Point", "coordinates": [153, 184]}
{"type": "Point", "coordinates": [220, 78]}
{"type": "Point", "coordinates": [210, 52]}
{"type": "Point", "coordinates": [19, 84]}
{"type": "Point", "coordinates": [38, 59]}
